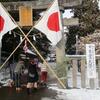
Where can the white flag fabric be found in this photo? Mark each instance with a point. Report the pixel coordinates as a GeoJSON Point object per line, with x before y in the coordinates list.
{"type": "Point", "coordinates": [50, 24]}
{"type": "Point", "coordinates": [6, 24]}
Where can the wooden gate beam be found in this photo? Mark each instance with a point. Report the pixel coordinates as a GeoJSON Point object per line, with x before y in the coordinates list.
{"type": "Point", "coordinates": [40, 5]}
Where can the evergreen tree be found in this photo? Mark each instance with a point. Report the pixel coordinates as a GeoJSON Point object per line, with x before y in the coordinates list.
{"type": "Point", "coordinates": [89, 16]}
{"type": "Point", "coordinates": [89, 20]}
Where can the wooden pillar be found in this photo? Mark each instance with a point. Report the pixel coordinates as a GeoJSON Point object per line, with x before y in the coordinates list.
{"type": "Point", "coordinates": [83, 73]}
{"type": "Point", "coordinates": [99, 72]}
{"type": "Point", "coordinates": [60, 51]}
{"type": "Point", "coordinates": [60, 56]}
{"type": "Point", "coordinates": [60, 48]}
{"type": "Point", "coordinates": [74, 73]}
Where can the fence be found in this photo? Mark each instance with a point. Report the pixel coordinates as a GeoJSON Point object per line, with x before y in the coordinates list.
{"type": "Point", "coordinates": [77, 72]}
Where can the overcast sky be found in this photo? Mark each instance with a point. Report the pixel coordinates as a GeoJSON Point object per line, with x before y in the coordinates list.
{"type": "Point", "coordinates": [68, 13]}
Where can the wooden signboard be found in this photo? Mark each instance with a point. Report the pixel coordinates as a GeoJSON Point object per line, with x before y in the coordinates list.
{"type": "Point", "coordinates": [25, 15]}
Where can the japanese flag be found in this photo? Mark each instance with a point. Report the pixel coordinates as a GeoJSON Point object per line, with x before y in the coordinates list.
{"type": "Point", "coordinates": [50, 24]}
{"type": "Point", "coordinates": [6, 24]}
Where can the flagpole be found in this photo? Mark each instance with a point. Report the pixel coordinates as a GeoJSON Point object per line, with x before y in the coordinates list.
{"type": "Point", "coordinates": [40, 55]}
{"type": "Point", "coordinates": [34, 49]}
{"type": "Point", "coordinates": [42, 58]}
{"type": "Point", "coordinates": [45, 61]}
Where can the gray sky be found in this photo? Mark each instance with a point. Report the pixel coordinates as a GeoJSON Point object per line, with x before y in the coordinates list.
{"type": "Point", "coordinates": [68, 14]}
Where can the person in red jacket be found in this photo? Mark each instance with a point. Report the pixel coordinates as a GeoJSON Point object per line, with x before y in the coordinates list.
{"type": "Point", "coordinates": [43, 75]}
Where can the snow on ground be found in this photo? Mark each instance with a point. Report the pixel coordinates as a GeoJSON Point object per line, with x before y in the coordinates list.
{"type": "Point", "coordinates": [76, 94]}
{"type": "Point", "coordinates": [4, 77]}
{"type": "Point", "coordinates": [62, 94]}
{"type": "Point", "coordinates": [70, 80]}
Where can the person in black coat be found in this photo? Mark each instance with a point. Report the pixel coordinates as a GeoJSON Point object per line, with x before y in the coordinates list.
{"type": "Point", "coordinates": [32, 76]}
{"type": "Point", "coordinates": [18, 71]}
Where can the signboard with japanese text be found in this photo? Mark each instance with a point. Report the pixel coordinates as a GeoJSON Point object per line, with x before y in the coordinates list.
{"type": "Point", "coordinates": [91, 62]}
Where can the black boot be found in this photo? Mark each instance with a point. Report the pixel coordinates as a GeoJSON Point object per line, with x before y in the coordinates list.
{"type": "Point", "coordinates": [29, 91]}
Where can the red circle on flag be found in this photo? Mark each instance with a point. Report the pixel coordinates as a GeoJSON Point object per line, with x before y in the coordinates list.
{"type": "Point", "coordinates": [1, 23]}
{"type": "Point", "coordinates": [53, 22]}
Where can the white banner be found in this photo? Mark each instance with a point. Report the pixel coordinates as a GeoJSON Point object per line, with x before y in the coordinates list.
{"type": "Point", "coordinates": [91, 63]}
